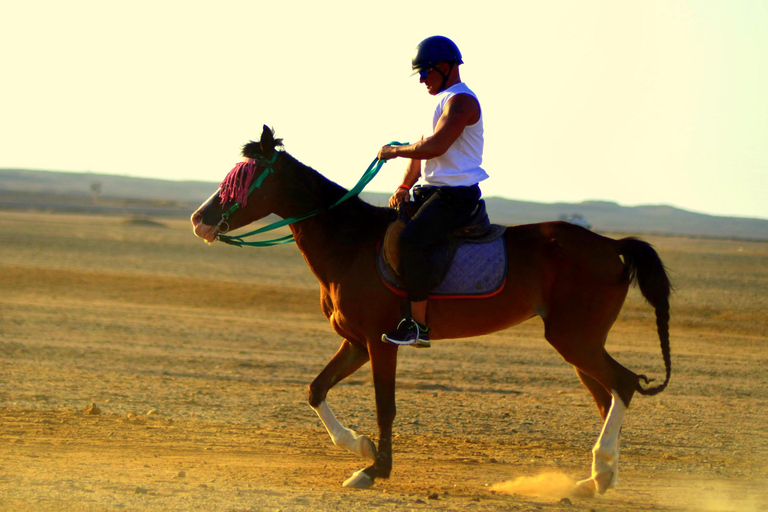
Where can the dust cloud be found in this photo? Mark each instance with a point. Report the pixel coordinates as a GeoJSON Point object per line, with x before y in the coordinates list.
{"type": "Point", "coordinates": [709, 496]}
{"type": "Point", "coordinates": [551, 484]}
{"type": "Point", "coordinates": [723, 497]}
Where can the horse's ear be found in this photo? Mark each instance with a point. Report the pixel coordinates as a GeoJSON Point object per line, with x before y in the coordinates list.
{"type": "Point", "coordinates": [265, 148]}
{"type": "Point", "coordinates": [267, 142]}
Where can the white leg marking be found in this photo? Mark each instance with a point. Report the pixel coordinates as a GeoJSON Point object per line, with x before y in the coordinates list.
{"type": "Point", "coordinates": [605, 454]}
{"type": "Point", "coordinates": [344, 437]}
{"type": "Point", "coordinates": [606, 451]}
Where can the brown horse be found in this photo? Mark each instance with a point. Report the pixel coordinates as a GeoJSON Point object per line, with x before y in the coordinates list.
{"type": "Point", "coordinates": [573, 278]}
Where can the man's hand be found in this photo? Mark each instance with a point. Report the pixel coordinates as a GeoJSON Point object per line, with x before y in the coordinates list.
{"type": "Point", "coordinates": [402, 195]}
{"type": "Point", "coordinates": [387, 152]}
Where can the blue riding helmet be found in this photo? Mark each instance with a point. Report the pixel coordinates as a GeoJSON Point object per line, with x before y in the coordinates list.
{"type": "Point", "coordinates": [433, 50]}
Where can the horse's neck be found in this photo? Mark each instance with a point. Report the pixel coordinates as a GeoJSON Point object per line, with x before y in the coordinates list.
{"type": "Point", "coordinates": [331, 240]}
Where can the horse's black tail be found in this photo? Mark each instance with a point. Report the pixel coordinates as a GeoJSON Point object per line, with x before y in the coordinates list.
{"type": "Point", "coordinates": [644, 268]}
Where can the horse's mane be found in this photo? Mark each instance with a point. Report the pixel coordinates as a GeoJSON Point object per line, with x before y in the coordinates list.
{"type": "Point", "coordinates": [252, 149]}
{"type": "Point", "coordinates": [350, 221]}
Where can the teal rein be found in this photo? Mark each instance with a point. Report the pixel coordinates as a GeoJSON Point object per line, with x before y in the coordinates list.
{"type": "Point", "coordinates": [239, 241]}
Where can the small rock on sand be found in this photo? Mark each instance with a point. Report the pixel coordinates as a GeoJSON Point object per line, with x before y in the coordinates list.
{"type": "Point", "coordinates": [92, 410]}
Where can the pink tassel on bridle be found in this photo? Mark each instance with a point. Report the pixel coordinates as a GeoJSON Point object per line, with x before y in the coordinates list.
{"type": "Point", "coordinates": [236, 184]}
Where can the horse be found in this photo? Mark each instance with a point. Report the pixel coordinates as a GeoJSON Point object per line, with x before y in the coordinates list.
{"type": "Point", "coordinates": [574, 279]}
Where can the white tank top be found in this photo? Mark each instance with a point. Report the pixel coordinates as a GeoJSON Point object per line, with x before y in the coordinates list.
{"type": "Point", "coordinates": [460, 165]}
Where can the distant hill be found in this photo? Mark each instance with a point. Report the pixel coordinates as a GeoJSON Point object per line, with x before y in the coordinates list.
{"type": "Point", "coordinates": [656, 219]}
{"type": "Point", "coordinates": [114, 187]}
{"type": "Point", "coordinates": [88, 192]}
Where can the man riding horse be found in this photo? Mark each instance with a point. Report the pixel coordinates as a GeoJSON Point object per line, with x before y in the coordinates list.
{"type": "Point", "coordinates": [453, 154]}
{"type": "Point", "coordinates": [575, 280]}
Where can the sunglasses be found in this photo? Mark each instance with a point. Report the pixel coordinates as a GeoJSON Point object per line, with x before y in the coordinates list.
{"type": "Point", "coordinates": [424, 73]}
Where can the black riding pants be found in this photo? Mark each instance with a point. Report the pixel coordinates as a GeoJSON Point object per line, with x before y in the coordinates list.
{"type": "Point", "coordinates": [446, 209]}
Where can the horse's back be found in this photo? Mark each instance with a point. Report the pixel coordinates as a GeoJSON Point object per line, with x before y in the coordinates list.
{"type": "Point", "coordinates": [565, 248]}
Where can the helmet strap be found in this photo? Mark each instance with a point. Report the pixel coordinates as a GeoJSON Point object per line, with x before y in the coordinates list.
{"type": "Point", "coordinates": [445, 76]}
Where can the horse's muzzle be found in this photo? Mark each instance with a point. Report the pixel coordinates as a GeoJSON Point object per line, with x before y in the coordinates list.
{"type": "Point", "coordinates": [202, 230]}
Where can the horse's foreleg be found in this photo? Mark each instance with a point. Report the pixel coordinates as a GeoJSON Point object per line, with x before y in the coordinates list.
{"type": "Point", "coordinates": [605, 454]}
{"type": "Point", "coordinates": [384, 367]}
{"type": "Point", "coordinates": [344, 437]}
{"type": "Point", "coordinates": [345, 362]}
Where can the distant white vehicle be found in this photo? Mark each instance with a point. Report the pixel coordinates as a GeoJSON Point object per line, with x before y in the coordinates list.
{"type": "Point", "coordinates": [576, 218]}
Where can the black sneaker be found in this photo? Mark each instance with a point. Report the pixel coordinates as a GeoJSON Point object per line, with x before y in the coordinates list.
{"type": "Point", "coordinates": [408, 332]}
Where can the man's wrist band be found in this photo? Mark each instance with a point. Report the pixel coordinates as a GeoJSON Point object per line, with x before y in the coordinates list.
{"type": "Point", "coordinates": [406, 187]}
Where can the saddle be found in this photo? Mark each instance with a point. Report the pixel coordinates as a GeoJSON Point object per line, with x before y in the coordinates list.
{"type": "Point", "coordinates": [471, 262]}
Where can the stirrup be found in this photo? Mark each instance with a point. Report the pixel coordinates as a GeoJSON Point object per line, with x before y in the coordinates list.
{"type": "Point", "coordinates": [408, 332]}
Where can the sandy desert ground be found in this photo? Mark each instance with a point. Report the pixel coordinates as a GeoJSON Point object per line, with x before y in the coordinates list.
{"type": "Point", "coordinates": [141, 369]}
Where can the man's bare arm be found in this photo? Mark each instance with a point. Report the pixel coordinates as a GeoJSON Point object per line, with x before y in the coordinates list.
{"type": "Point", "coordinates": [461, 111]}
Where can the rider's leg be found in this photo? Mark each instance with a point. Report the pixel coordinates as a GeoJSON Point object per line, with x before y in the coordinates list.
{"type": "Point", "coordinates": [419, 311]}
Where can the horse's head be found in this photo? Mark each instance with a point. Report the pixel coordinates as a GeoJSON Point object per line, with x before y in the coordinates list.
{"type": "Point", "coordinates": [247, 193]}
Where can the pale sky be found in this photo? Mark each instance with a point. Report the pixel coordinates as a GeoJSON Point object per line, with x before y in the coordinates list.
{"type": "Point", "coordinates": [653, 102]}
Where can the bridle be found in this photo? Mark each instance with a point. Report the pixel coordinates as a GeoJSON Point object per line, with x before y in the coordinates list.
{"type": "Point", "coordinates": [223, 225]}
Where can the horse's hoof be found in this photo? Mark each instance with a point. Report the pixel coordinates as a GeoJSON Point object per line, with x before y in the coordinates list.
{"type": "Point", "coordinates": [604, 481]}
{"type": "Point", "coordinates": [584, 489]}
{"type": "Point", "coordinates": [367, 448]}
{"type": "Point", "coordinates": [359, 480]}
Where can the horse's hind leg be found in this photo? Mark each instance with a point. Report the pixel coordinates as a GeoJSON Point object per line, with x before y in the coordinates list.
{"type": "Point", "coordinates": [348, 359]}
{"type": "Point", "coordinates": [581, 343]}
{"type": "Point", "coordinates": [602, 396]}
{"type": "Point", "coordinates": [612, 387]}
